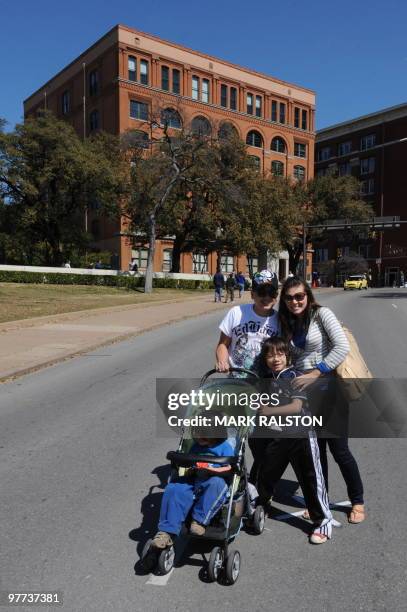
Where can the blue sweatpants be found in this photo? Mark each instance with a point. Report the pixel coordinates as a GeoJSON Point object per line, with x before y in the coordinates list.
{"type": "Point", "coordinates": [205, 497]}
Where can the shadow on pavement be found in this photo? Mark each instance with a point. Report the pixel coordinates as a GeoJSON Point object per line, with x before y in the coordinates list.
{"type": "Point", "coordinates": [387, 295]}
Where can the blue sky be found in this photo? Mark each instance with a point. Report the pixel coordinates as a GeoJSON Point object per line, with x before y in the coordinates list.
{"type": "Point", "coordinates": [352, 53]}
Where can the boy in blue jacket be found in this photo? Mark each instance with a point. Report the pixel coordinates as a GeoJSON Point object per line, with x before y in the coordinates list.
{"type": "Point", "coordinates": [200, 491]}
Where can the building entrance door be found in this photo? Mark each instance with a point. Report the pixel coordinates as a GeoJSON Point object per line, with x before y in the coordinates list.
{"type": "Point", "coordinates": [391, 277]}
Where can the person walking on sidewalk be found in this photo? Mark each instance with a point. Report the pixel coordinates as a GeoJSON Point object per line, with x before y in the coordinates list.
{"type": "Point", "coordinates": [230, 288]}
{"type": "Point", "coordinates": [219, 283]}
{"type": "Point", "coordinates": [318, 344]}
{"type": "Point", "coordinates": [240, 282]}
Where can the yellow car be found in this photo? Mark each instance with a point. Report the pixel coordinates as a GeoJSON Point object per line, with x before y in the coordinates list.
{"type": "Point", "coordinates": [356, 281]}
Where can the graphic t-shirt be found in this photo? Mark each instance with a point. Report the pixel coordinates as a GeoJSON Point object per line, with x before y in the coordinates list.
{"type": "Point", "coordinates": [247, 330]}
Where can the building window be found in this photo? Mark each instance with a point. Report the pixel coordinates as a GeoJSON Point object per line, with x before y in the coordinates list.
{"type": "Point", "coordinates": [277, 168]}
{"type": "Point", "coordinates": [304, 119]}
{"type": "Point", "coordinates": [367, 165]}
{"type": "Point", "coordinates": [258, 106]}
{"type": "Point", "coordinates": [274, 111]}
{"type": "Point", "coordinates": [253, 264]}
{"type": "Point", "coordinates": [205, 91]}
{"type": "Point", "coordinates": [195, 88]}
{"type": "Point", "coordinates": [66, 102]}
{"type": "Point", "coordinates": [256, 162]}
{"type": "Point", "coordinates": [321, 172]}
{"type": "Point", "coordinates": [224, 96]}
{"type": "Point", "coordinates": [141, 257]}
{"type": "Point", "coordinates": [233, 98]}
{"type": "Point", "coordinates": [282, 112]}
{"type": "Point", "coordinates": [94, 120]}
{"type": "Point", "coordinates": [144, 72]}
{"type": "Point", "coordinates": [95, 229]}
{"type": "Point", "coordinates": [201, 126]}
{"type": "Point", "coordinates": [93, 83]}
{"type": "Point", "coordinates": [324, 154]}
{"type": "Point", "coordinates": [367, 187]}
{"type": "Point", "coordinates": [132, 68]}
{"type": "Point", "coordinates": [165, 78]}
{"type": "Point", "coordinates": [140, 139]}
{"type": "Point", "coordinates": [345, 169]}
{"type": "Point", "coordinates": [200, 263]}
{"type": "Point", "coordinates": [300, 149]}
{"type": "Point", "coordinates": [366, 251]}
{"type": "Point", "coordinates": [249, 104]}
{"type": "Point", "coordinates": [278, 144]}
{"type": "Point", "coordinates": [227, 130]}
{"type": "Point", "coordinates": [138, 110]}
{"type": "Point", "coordinates": [296, 117]}
{"type": "Point", "coordinates": [299, 173]}
{"type": "Point", "coordinates": [226, 263]}
{"type": "Point", "coordinates": [167, 260]}
{"type": "Point", "coordinates": [171, 118]}
{"type": "Point", "coordinates": [344, 148]}
{"type": "Point", "coordinates": [367, 142]}
{"type": "Point", "coordinates": [320, 255]}
{"type": "Point", "coordinates": [176, 80]}
{"type": "Point", "coordinates": [254, 139]}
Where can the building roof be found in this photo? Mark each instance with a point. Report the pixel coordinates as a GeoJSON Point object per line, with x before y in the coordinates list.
{"type": "Point", "coordinates": [365, 121]}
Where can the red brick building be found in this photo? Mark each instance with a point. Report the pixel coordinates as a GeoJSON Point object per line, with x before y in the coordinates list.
{"type": "Point", "coordinates": [116, 83]}
{"type": "Point", "coordinates": [374, 149]}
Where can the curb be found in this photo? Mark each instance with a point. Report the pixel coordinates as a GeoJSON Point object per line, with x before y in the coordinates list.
{"type": "Point", "coordinates": [117, 339]}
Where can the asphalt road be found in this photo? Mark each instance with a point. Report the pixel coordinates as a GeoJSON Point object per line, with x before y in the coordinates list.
{"type": "Point", "coordinates": [81, 475]}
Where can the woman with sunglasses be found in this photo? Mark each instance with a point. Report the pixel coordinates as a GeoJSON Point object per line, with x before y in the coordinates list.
{"type": "Point", "coordinates": [318, 345]}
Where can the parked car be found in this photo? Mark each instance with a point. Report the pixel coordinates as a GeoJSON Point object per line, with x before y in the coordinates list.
{"type": "Point", "coordinates": [355, 281]}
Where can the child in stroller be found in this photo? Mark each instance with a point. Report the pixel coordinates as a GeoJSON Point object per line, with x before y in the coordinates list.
{"type": "Point", "coordinates": [201, 491]}
{"type": "Point", "coordinates": [209, 485]}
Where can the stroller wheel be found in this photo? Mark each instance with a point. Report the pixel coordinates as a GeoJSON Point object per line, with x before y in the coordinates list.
{"type": "Point", "coordinates": [215, 563]}
{"type": "Point", "coordinates": [148, 557]}
{"type": "Point", "coordinates": [166, 560]}
{"type": "Point", "coordinates": [233, 566]}
{"type": "Point", "coordinates": [258, 520]}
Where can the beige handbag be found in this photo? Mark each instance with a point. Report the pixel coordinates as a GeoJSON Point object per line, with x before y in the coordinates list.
{"type": "Point", "coordinates": [352, 368]}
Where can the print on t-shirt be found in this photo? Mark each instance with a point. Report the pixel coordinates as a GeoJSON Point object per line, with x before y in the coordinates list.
{"type": "Point", "coordinates": [247, 331]}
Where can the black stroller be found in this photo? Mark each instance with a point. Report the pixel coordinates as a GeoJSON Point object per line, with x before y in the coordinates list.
{"type": "Point", "coordinates": [237, 508]}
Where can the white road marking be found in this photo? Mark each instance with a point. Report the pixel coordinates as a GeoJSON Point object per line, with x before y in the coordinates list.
{"type": "Point", "coordinates": [394, 305]}
{"type": "Point", "coordinates": [159, 580]}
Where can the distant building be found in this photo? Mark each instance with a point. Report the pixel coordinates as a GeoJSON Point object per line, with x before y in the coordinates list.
{"type": "Point", "coordinates": [114, 85]}
{"type": "Point", "coordinates": [374, 149]}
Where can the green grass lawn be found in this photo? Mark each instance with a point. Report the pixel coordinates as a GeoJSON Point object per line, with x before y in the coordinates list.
{"type": "Point", "coordinates": [24, 301]}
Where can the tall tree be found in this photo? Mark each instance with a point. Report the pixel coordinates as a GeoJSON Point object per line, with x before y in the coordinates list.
{"type": "Point", "coordinates": [48, 180]}
{"type": "Point", "coordinates": [319, 200]}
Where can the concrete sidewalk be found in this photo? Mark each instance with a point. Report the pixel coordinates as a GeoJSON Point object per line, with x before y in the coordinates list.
{"type": "Point", "coordinates": [31, 344]}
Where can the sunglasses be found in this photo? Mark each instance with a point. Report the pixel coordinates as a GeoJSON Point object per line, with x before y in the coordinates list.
{"type": "Point", "coordinates": [298, 297]}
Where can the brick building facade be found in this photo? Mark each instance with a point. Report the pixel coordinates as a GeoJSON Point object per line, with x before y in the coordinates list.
{"type": "Point", "coordinates": [116, 84]}
{"type": "Point", "coordinates": [373, 148]}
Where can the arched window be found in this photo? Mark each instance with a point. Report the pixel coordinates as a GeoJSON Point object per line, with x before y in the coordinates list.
{"type": "Point", "coordinates": [299, 173]}
{"type": "Point", "coordinates": [171, 118]}
{"type": "Point", "coordinates": [254, 139]}
{"type": "Point", "coordinates": [278, 144]}
{"type": "Point", "coordinates": [200, 126]}
{"type": "Point", "coordinates": [277, 168]}
{"type": "Point", "coordinates": [94, 120]}
{"type": "Point", "coordinates": [227, 130]}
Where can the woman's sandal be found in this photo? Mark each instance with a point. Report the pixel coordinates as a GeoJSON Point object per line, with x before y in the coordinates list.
{"type": "Point", "coordinates": [317, 537]}
{"type": "Point", "coordinates": [357, 514]}
{"type": "Point", "coordinates": [305, 515]}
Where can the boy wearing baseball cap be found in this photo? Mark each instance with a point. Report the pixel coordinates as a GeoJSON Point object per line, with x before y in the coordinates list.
{"type": "Point", "coordinates": [244, 327]}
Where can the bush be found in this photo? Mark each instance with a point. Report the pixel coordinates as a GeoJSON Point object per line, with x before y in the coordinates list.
{"type": "Point", "coordinates": [123, 281]}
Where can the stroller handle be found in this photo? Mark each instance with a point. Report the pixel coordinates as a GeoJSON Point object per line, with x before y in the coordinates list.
{"type": "Point", "coordinates": [214, 371]}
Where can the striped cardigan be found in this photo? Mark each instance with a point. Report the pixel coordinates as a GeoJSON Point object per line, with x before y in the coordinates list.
{"type": "Point", "coordinates": [326, 345]}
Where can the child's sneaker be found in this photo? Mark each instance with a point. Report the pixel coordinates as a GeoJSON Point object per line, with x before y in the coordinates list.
{"type": "Point", "coordinates": [197, 529]}
{"type": "Point", "coordinates": [162, 539]}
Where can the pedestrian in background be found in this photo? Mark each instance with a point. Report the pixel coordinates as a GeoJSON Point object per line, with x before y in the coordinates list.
{"type": "Point", "coordinates": [230, 288]}
{"type": "Point", "coordinates": [240, 282]}
{"type": "Point", "coordinates": [219, 283]}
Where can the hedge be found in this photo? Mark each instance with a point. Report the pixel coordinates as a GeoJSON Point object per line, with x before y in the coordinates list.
{"type": "Point", "coordinates": [124, 281]}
